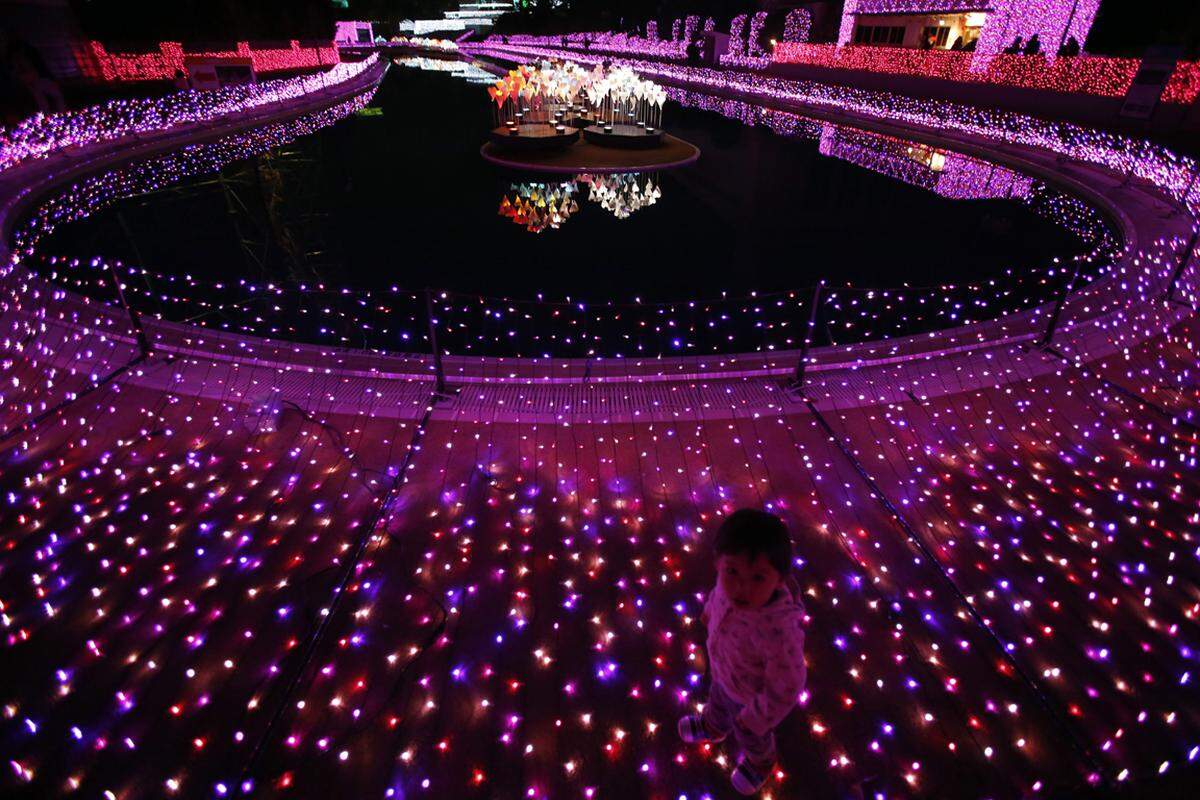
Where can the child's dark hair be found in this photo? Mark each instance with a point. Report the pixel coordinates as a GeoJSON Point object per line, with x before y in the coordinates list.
{"type": "Point", "coordinates": [752, 533]}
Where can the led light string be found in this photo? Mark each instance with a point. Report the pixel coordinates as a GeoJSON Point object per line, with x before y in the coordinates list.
{"type": "Point", "coordinates": [927, 556]}
{"type": "Point", "coordinates": [1085, 74]}
{"type": "Point", "coordinates": [41, 135]}
{"type": "Point", "coordinates": [342, 588]}
{"type": "Point", "coordinates": [171, 58]}
{"type": "Point", "coordinates": [890, 604]}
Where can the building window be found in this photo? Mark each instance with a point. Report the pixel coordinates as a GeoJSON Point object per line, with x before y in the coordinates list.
{"type": "Point", "coordinates": [879, 34]}
{"type": "Point", "coordinates": [940, 36]}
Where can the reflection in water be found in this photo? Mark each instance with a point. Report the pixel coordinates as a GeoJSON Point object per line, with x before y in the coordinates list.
{"type": "Point", "coordinates": [624, 193]}
{"type": "Point", "coordinates": [466, 70]}
{"type": "Point", "coordinates": [761, 213]}
{"type": "Point", "coordinates": [537, 206]}
{"type": "Point", "coordinates": [959, 177]}
{"type": "Point", "coordinates": [946, 173]}
{"type": "Point", "coordinates": [951, 175]}
{"type": "Point", "coordinates": [99, 190]}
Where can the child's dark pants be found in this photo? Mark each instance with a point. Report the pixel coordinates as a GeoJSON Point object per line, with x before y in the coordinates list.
{"type": "Point", "coordinates": [721, 715]}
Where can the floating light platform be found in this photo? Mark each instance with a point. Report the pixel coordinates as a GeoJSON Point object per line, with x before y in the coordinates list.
{"type": "Point", "coordinates": [541, 110]}
{"type": "Point", "coordinates": [624, 136]}
{"type": "Point", "coordinates": [585, 156]}
{"type": "Point", "coordinates": [533, 137]}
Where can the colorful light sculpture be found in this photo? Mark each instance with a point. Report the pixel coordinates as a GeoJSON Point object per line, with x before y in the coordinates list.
{"type": "Point", "coordinates": [530, 93]}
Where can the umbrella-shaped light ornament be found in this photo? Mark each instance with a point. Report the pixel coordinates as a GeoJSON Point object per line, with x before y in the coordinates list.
{"type": "Point", "coordinates": [538, 206]}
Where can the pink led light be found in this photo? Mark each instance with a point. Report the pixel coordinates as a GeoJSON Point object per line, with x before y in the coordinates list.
{"type": "Point", "coordinates": [1085, 74]}
{"type": "Point", "coordinates": [1052, 20]}
{"type": "Point", "coordinates": [737, 36]}
{"type": "Point", "coordinates": [1097, 75]}
{"type": "Point", "coordinates": [172, 57]}
{"type": "Point", "coordinates": [922, 6]}
{"type": "Point", "coordinates": [754, 45]}
{"type": "Point", "coordinates": [744, 50]}
{"type": "Point", "coordinates": [797, 25]}
{"type": "Point", "coordinates": [40, 135]}
{"type": "Point", "coordinates": [607, 42]}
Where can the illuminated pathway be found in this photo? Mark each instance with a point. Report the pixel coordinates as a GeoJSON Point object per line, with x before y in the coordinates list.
{"type": "Point", "coordinates": [248, 567]}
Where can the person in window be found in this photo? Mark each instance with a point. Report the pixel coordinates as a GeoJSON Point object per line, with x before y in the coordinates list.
{"type": "Point", "coordinates": [1070, 47]}
{"type": "Point", "coordinates": [958, 44]}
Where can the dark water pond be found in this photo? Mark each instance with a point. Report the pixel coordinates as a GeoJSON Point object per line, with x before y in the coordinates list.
{"type": "Point", "coordinates": [397, 194]}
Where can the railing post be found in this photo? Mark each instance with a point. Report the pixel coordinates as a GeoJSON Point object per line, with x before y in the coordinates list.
{"type": "Point", "coordinates": [798, 380]}
{"type": "Point", "coordinates": [1191, 183]}
{"type": "Point", "coordinates": [134, 319]}
{"type": "Point", "coordinates": [1183, 262]}
{"type": "Point", "coordinates": [1058, 307]}
{"type": "Point", "coordinates": [437, 353]}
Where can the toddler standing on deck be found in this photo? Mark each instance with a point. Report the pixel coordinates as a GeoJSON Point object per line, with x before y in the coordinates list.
{"type": "Point", "coordinates": [755, 644]}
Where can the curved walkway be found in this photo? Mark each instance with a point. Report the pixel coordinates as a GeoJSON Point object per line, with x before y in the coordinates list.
{"type": "Point", "coordinates": [1153, 227]}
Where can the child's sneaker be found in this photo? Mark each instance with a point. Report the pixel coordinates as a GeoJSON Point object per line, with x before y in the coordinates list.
{"type": "Point", "coordinates": [692, 729]}
{"type": "Point", "coordinates": [748, 778]}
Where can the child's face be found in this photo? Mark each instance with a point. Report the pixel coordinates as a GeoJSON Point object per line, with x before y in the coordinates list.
{"type": "Point", "coordinates": [748, 584]}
